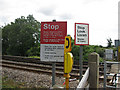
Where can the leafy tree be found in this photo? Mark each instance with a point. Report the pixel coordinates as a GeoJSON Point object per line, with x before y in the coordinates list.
{"type": "Point", "coordinates": [75, 51]}
{"type": "Point", "coordinates": [109, 42]}
{"type": "Point", "coordinates": [20, 36]}
{"type": "Point", "coordinates": [86, 51]}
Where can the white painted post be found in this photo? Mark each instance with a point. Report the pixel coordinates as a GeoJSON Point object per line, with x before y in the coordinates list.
{"type": "Point", "coordinates": [83, 80]}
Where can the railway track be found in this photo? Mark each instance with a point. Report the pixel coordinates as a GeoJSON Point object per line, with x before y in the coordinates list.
{"type": "Point", "coordinates": [35, 65]}
{"type": "Point", "coordinates": [37, 61]}
{"type": "Point", "coordinates": [42, 68]}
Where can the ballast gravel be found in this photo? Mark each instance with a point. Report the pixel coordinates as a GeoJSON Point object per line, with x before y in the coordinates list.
{"type": "Point", "coordinates": [34, 80]}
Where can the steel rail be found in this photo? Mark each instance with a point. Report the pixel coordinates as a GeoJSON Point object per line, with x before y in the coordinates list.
{"type": "Point", "coordinates": [41, 68]}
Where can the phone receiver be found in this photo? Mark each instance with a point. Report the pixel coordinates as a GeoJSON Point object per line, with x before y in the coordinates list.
{"type": "Point", "coordinates": [68, 43]}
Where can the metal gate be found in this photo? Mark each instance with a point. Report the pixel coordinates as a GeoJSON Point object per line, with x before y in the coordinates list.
{"type": "Point", "coordinates": [112, 69]}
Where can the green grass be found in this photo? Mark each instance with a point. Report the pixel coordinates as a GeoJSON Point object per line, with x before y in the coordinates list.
{"type": "Point", "coordinates": [9, 83]}
{"type": "Point", "coordinates": [34, 57]}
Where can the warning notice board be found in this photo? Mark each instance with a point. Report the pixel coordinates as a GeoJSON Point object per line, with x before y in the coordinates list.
{"type": "Point", "coordinates": [81, 34]}
{"type": "Point", "coordinates": [52, 52]}
{"type": "Point", "coordinates": [52, 41]}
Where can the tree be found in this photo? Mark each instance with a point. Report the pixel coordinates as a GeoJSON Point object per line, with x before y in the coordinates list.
{"type": "Point", "coordinates": [21, 35]}
{"type": "Point", "coordinates": [109, 42]}
{"type": "Point", "coordinates": [86, 51]}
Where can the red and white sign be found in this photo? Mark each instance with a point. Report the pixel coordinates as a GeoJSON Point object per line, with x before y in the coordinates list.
{"type": "Point", "coordinates": [52, 41]}
{"type": "Point", "coordinates": [53, 32]}
{"type": "Point", "coordinates": [81, 34]}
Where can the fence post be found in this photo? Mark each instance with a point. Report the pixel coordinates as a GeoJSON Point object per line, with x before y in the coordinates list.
{"type": "Point", "coordinates": [93, 63]}
{"type": "Point", "coordinates": [53, 73]}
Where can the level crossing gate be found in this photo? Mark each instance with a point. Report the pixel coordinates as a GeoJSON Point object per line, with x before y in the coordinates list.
{"type": "Point", "coordinates": [112, 71]}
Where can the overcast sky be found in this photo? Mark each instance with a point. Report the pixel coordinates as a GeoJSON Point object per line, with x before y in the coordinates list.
{"type": "Point", "coordinates": [101, 15]}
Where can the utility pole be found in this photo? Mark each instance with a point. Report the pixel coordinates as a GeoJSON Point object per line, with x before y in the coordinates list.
{"type": "Point", "coordinates": [118, 30]}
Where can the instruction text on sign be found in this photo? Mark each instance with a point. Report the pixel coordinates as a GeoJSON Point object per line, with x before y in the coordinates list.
{"type": "Point", "coordinates": [81, 34]}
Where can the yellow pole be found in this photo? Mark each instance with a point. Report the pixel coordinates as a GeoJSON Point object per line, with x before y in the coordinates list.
{"type": "Point", "coordinates": [67, 48]}
{"type": "Point", "coordinates": [67, 76]}
{"type": "Point", "coordinates": [67, 81]}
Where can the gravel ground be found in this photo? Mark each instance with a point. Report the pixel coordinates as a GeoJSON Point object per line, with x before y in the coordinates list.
{"type": "Point", "coordinates": [34, 80]}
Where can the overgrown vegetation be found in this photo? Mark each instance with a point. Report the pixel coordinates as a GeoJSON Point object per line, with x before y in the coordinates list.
{"type": "Point", "coordinates": [87, 50]}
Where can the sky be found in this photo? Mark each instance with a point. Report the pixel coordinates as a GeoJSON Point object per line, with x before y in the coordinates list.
{"type": "Point", "coordinates": [101, 15]}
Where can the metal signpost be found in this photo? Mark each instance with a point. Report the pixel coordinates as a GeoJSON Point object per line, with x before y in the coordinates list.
{"type": "Point", "coordinates": [81, 38]}
{"type": "Point", "coordinates": [52, 43]}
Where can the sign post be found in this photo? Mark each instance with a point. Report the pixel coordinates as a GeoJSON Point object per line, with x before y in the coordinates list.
{"type": "Point", "coordinates": [81, 38]}
{"type": "Point", "coordinates": [53, 69]}
{"type": "Point", "coordinates": [81, 62]}
{"type": "Point", "coordinates": [52, 43]}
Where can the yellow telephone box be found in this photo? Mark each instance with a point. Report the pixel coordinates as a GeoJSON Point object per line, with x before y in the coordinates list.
{"type": "Point", "coordinates": [68, 57]}
{"type": "Point", "coordinates": [68, 62]}
{"type": "Point", "coordinates": [67, 46]}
